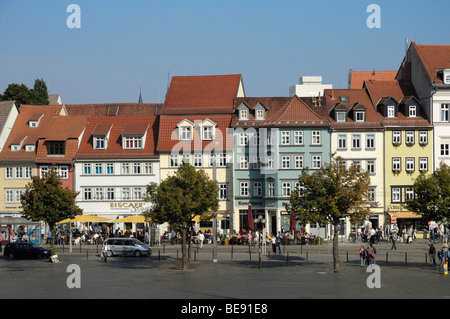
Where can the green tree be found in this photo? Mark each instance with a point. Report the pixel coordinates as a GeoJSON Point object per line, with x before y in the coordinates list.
{"type": "Point", "coordinates": [331, 193]}
{"type": "Point", "coordinates": [46, 200]}
{"type": "Point", "coordinates": [21, 94]}
{"type": "Point", "coordinates": [181, 197]}
{"type": "Point", "coordinates": [432, 195]}
{"type": "Point", "coordinates": [40, 87]}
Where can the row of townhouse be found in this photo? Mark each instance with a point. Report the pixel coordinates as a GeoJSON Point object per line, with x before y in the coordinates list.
{"type": "Point", "coordinates": [393, 124]}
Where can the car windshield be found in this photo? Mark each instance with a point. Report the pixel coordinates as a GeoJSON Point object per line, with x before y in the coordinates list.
{"type": "Point", "coordinates": [137, 242]}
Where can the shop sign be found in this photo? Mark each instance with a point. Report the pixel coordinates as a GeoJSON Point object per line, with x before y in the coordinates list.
{"type": "Point", "coordinates": [125, 205]}
{"type": "Point", "coordinates": [394, 219]}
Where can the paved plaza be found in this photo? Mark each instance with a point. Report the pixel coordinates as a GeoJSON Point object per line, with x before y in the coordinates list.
{"type": "Point", "coordinates": [302, 272]}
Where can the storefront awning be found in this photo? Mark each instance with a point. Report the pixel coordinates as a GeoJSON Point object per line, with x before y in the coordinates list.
{"type": "Point", "coordinates": [405, 215]}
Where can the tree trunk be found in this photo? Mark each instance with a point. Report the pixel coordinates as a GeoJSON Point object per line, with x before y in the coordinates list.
{"type": "Point", "coordinates": [336, 260]}
{"type": "Point", "coordinates": [183, 245]}
{"type": "Point", "coordinates": [52, 240]}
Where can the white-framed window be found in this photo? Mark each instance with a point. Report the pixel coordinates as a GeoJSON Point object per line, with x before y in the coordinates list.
{"type": "Point", "coordinates": [372, 194]}
{"type": "Point", "coordinates": [270, 162]}
{"type": "Point", "coordinates": [87, 193]}
{"type": "Point", "coordinates": [447, 79]}
{"type": "Point", "coordinates": [423, 137]}
{"type": "Point", "coordinates": [126, 194]}
{"type": "Point", "coordinates": [126, 169]}
{"type": "Point", "coordinates": [207, 133]}
{"type": "Point", "coordinates": [412, 111]}
{"type": "Point", "coordinates": [342, 141]}
{"type": "Point", "coordinates": [396, 195]}
{"type": "Point", "coordinates": [260, 114]}
{"type": "Point", "coordinates": [285, 162]}
{"type": "Point", "coordinates": [298, 161]}
{"type": "Point", "coordinates": [409, 193]}
{"type": "Point", "coordinates": [18, 172]}
{"type": "Point", "coordinates": [396, 137]}
{"type": "Point", "coordinates": [270, 189]}
{"type": "Point", "coordinates": [360, 116]}
{"type": "Point", "coordinates": [445, 149]}
{"type": "Point", "coordinates": [356, 141]}
{"type": "Point", "coordinates": [286, 189]}
{"type": "Point", "coordinates": [138, 193]}
{"type": "Point", "coordinates": [243, 138]}
{"type": "Point", "coordinates": [174, 160]}
{"type": "Point", "coordinates": [340, 116]}
{"type": "Point", "coordinates": [98, 194]}
{"type": "Point", "coordinates": [391, 111]}
{"type": "Point", "coordinates": [99, 143]}
{"type": "Point", "coordinates": [256, 162]}
{"type": "Point", "coordinates": [316, 161]}
{"type": "Point", "coordinates": [409, 139]}
{"type": "Point", "coordinates": [298, 137]}
{"type": "Point", "coordinates": [285, 137]}
{"type": "Point", "coordinates": [110, 193]}
{"type": "Point", "coordinates": [132, 142]}
{"type": "Point", "coordinates": [316, 138]}
{"type": "Point", "coordinates": [13, 195]}
{"type": "Point", "coordinates": [185, 133]}
{"type": "Point", "coordinates": [409, 164]}
{"type": "Point", "coordinates": [43, 169]}
{"type": "Point", "coordinates": [357, 164]}
{"type": "Point", "coordinates": [243, 188]}
{"type": "Point", "coordinates": [87, 169]}
{"type": "Point", "coordinates": [148, 168]}
{"type": "Point", "coordinates": [98, 169]}
{"type": "Point", "coordinates": [257, 189]}
{"type": "Point", "coordinates": [396, 163]}
{"type": "Point", "coordinates": [444, 112]}
{"type": "Point", "coordinates": [109, 168]}
{"type": "Point", "coordinates": [371, 166]}
{"type": "Point", "coordinates": [198, 160]}
{"type": "Point", "coordinates": [423, 163]}
{"type": "Point", "coordinates": [243, 162]}
{"type": "Point", "coordinates": [223, 191]}
{"type": "Point", "coordinates": [243, 115]}
{"type": "Point", "coordinates": [137, 169]}
{"type": "Point", "coordinates": [370, 141]}
{"type": "Point", "coordinates": [63, 172]}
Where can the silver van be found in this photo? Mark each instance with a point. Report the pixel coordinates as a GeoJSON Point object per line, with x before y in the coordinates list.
{"type": "Point", "coordinates": [128, 247]}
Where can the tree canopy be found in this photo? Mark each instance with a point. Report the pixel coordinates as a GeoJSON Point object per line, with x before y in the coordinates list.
{"type": "Point", "coordinates": [21, 94]}
{"type": "Point", "coordinates": [432, 195]}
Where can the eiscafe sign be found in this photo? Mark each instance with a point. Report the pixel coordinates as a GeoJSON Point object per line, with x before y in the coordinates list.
{"type": "Point", "coordinates": [126, 205]}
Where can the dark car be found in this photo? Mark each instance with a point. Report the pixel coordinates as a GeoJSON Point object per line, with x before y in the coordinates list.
{"type": "Point", "coordinates": [25, 250]}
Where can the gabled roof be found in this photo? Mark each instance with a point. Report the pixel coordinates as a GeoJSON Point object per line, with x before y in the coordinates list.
{"type": "Point", "coordinates": [209, 94]}
{"type": "Point", "coordinates": [434, 58]}
{"type": "Point", "coordinates": [114, 109]}
{"type": "Point", "coordinates": [357, 78]}
{"type": "Point", "coordinates": [5, 109]}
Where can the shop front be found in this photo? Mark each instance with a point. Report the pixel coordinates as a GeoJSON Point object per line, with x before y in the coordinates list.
{"type": "Point", "coordinates": [405, 220]}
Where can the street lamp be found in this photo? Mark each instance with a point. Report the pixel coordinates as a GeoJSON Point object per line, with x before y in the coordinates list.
{"type": "Point", "coordinates": [260, 220]}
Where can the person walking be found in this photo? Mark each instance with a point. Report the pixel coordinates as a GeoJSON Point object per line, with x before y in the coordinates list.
{"type": "Point", "coordinates": [370, 253]}
{"type": "Point", "coordinates": [394, 240]}
{"type": "Point", "coordinates": [105, 250]}
{"type": "Point", "coordinates": [201, 238]}
{"type": "Point", "coordinates": [432, 254]}
{"type": "Point", "coordinates": [362, 256]}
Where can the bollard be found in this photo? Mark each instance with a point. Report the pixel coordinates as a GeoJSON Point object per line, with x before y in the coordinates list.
{"type": "Point", "coordinates": [307, 256]}
{"type": "Point", "coordinates": [387, 257]}
{"type": "Point", "coordinates": [159, 255]}
{"type": "Point", "coordinates": [232, 252]}
{"type": "Point", "coordinates": [347, 256]}
{"type": "Point", "coordinates": [250, 253]}
{"type": "Point", "coordinates": [195, 255]}
{"type": "Point", "coordinates": [406, 257]}
{"type": "Point", "coordinates": [87, 253]}
{"type": "Point", "coordinates": [287, 257]}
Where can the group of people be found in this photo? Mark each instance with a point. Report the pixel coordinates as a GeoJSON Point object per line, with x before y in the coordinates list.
{"type": "Point", "coordinates": [367, 255]}
{"type": "Point", "coordinates": [443, 254]}
{"type": "Point", "coordinates": [369, 234]}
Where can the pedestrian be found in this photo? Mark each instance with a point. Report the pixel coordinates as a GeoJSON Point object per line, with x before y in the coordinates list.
{"type": "Point", "coordinates": [394, 240]}
{"type": "Point", "coordinates": [278, 243]}
{"type": "Point", "coordinates": [370, 253]}
{"type": "Point", "coordinates": [442, 258]}
{"type": "Point", "coordinates": [273, 241]}
{"type": "Point", "coordinates": [201, 238]}
{"type": "Point", "coordinates": [432, 254]}
{"type": "Point", "coordinates": [409, 239]}
{"type": "Point", "coordinates": [359, 235]}
{"type": "Point", "coordinates": [432, 235]}
{"type": "Point", "coordinates": [362, 256]}
{"type": "Point", "coordinates": [105, 250]}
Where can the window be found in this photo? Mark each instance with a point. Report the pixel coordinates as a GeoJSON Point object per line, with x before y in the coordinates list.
{"type": "Point", "coordinates": [257, 189]}
{"type": "Point", "coordinates": [137, 193]}
{"type": "Point", "coordinates": [109, 169]}
{"type": "Point", "coordinates": [63, 172]}
{"type": "Point", "coordinates": [423, 164]}
{"type": "Point", "coordinates": [110, 193]}
{"type": "Point", "coordinates": [174, 160]}
{"type": "Point", "coordinates": [259, 114]}
{"type": "Point", "coordinates": [243, 115]}
{"type": "Point", "coordinates": [43, 169]}
{"type": "Point", "coordinates": [286, 189]}
{"type": "Point", "coordinates": [370, 141]}
{"type": "Point", "coordinates": [243, 162]}
{"type": "Point", "coordinates": [390, 111]}
{"type": "Point", "coordinates": [244, 189]}
{"type": "Point", "coordinates": [360, 116]}
{"type": "Point", "coordinates": [357, 165]}
{"type": "Point", "coordinates": [409, 140]}
{"type": "Point", "coordinates": [285, 162]}
{"type": "Point", "coordinates": [55, 148]}
{"type": "Point", "coordinates": [126, 169]}
{"type": "Point", "coordinates": [285, 138]}
{"type": "Point", "coordinates": [423, 137]}
{"type": "Point", "coordinates": [269, 138]}
{"type": "Point", "coordinates": [207, 133]}
{"type": "Point", "coordinates": [356, 141]}
{"type": "Point", "coordinates": [396, 164]}
{"type": "Point", "coordinates": [98, 168]}
{"type": "Point", "coordinates": [126, 193]}
{"type": "Point", "coordinates": [445, 149]}
{"type": "Point", "coordinates": [256, 162]}
{"type": "Point", "coordinates": [98, 193]}
{"type": "Point", "coordinates": [87, 193]}
{"type": "Point", "coordinates": [340, 116]}
{"type": "Point", "coordinates": [316, 138]}
{"type": "Point", "coordinates": [86, 169]}
{"type": "Point", "coordinates": [299, 189]}
{"type": "Point", "coordinates": [372, 194]}
{"type": "Point", "coordinates": [409, 194]}
{"type": "Point", "coordinates": [243, 138]}
{"type": "Point", "coordinates": [316, 161]}
{"type": "Point", "coordinates": [444, 112]}
{"type": "Point", "coordinates": [222, 191]}
{"type": "Point", "coordinates": [132, 142]}
{"type": "Point", "coordinates": [298, 137]}
{"type": "Point", "coordinates": [137, 168]}
{"type": "Point", "coordinates": [298, 161]}
{"type": "Point", "coordinates": [13, 195]}
{"type": "Point", "coordinates": [396, 137]}
{"type": "Point", "coordinates": [198, 160]}
{"type": "Point", "coordinates": [371, 166]}
{"type": "Point", "coordinates": [271, 189]}
{"type": "Point", "coordinates": [409, 164]}
{"type": "Point", "coordinates": [342, 141]}
{"type": "Point", "coordinates": [396, 195]}
{"type": "Point", "coordinates": [185, 133]}
{"type": "Point", "coordinates": [19, 172]}
{"type": "Point", "coordinates": [447, 79]}
{"type": "Point", "coordinates": [148, 168]}
{"type": "Point", "coordinates": [99, 143]}
{"type": "Point", "coordinates": [270, 162]}
{"type": "Point", "coordinates": [412, 111]}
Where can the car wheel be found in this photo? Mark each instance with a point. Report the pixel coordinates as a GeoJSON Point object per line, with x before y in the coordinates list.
{"type": "Point", "coordinates": [137, 253]}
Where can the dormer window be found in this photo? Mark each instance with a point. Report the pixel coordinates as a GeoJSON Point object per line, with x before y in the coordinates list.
{"type": "Point", "coordinates": [344, 99]}
{"type": "Point", "coordinates": [56, 148]}
{"type": "Point", "coordinates": [412, 111]}
{"type": "Point", "coordinates": [243, 114]}
{"type": "Point", "coordinates": [340, 116]}
{"type": "Point", "coordinates": [390, 111]}
{"type": "Point", "coordinates": [34, 120]}
{"type": "Point", "coordinates": [260, 114]}
{"type": "Point", "coordinates": [29, 148]}
{"type": "Point", "coordinates": [447, 79]}
{"type": "Point", "coordinates": [100, 136]}
{"type": "Point", "coordinates": [360, 116]}
{"type": "Point", "coordinates": [207, 133]}
{"type": "Point", "coordinates": [132, 142]}
{"type": "Point", "coordinates": [185, 133]}
{"type": "Point", "coordinates": [100, 143]}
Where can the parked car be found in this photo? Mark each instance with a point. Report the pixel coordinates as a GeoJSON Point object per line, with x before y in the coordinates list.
{"type": "Point", "coordinates": [128, 247]}
{"type": "Point", "coordinates": [25, 250]}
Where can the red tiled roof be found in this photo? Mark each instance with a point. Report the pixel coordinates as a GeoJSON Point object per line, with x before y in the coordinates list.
{"type": "Point", "coordinates": [114, 109]}
{"type": "Point", "coordinates": [119, 124]}
{"type": "Point", "coordinates": [358, 77]}
{"type": "Point", "coordinates": [434, 58]}
{"type": "Point", "coordinates": [202, 94]}
{"type": "Point", "coordinates": [168, 133]}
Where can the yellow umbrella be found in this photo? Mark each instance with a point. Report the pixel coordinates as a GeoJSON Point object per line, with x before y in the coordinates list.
{"type": "Point", "coordinates": [131, 219]}
{"type": "Point", "coordinates": [84, 219]}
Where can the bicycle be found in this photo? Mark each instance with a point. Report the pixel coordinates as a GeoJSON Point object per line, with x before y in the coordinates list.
{"type": "Point", "coordinates": [352, 238]}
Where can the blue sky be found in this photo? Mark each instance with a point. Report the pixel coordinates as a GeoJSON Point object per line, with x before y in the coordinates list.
{"type": "Point", "coordinates": [126, 45]}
